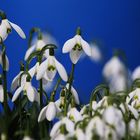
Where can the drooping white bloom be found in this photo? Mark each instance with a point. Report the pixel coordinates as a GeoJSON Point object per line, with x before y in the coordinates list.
{"type": "Point", "coordinates": [6, 27]}
{"type": "Point", "coordinates": [128, 108]}
{"type": "Point", "coordinates": [114, 117]}
{"type": "Point", "coordinates": [6, 61]}
{"type": "Point", "coordinates": [76, 46]}
{"type": "Point", "coordinates": [37, 46]}
{"type": "Point", "coordinates": [49, 67]}
{"type": "Point", "coordinates": [49, 112]}
{"type": "Point", "coordinates": [29, 90]}
{"type": "Point", "coordinates": [74, 115]}
{"type": "Point", "coordinates": [97, 126]}
{"type": "Point", "coordinates": [136, 73]}
{"type": "Point", "coordinates": [84, 111]}
{"type": "Point", "coordinates": [116, 75]}
{"type": "Point", "coordinates": [95, 53]}
{"type": "Point", "coordinates": [113, 66]}
{"type": "Point", "coordinates": [134, 99]}
{"type": "Point", "coordinates": [56, 128]}
{"type": "Point", "coordinates": [80, 135]}
{"type": "Point", "coordinates": [1, 94]}
{"type": "Point", "coordinates": [74, 93]}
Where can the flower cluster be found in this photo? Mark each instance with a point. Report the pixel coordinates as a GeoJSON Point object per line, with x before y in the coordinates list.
{"type": "Point", "coordinates": [113, 112]}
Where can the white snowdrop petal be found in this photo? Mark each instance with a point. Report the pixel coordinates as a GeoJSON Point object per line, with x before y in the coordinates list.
{"type": "Point", "coordinates": [133, 111]}
{"type": "Point", "coordinates": [136, 73]}
{"type": "Point", "coordinates": [86, 47]}
{"type": "Point", "coordinates": [41, 70]}
{"type": "Point", "coordinates": [55, 128]}
{"type": "Point", "coordinates": [33, 70]}
{"type": "Point", "coordinates": [49, 75]}
{"type": "Point", "coordinates": [51, 111]}
{"type": "Point", "coordinates": [18, 30]}
{"type": "Point", "coordinates": [42, 114]}
{"type": "Point", "coordinates": [29, 52]}
{"type": "Point", "coordinates": [61, 70]}
{"type": "Point", "coordinates": [69, 45]}
{"type": "Point", "coordinates": [69, 125]}
{"type": "Point", "coordinates": [15, 82]}
{"type": "Point", "coordinates": [3, 31]}
{"type": "Point", "coordinates": [1, 94]}
{"type": "Point", "coordinates": [75, 55]}
{"type": "Point", "coordinates": [17, 93]}
{"type": "Point", "coordinates": [30, 93]}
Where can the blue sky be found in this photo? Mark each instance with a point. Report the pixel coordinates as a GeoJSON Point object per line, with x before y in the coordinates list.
{"type": "Point", "coordinates": [114, 23]}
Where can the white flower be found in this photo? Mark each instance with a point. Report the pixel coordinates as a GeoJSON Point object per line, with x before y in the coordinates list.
{"type": "Point", "coordinates": [1, 94]}
{"type": "Point", "coordinates": [74, 93]}
{"type": "Point", "coordinates": [6, 26]}
{"type": "Point", "coordinates": [134, 99]}
{"type": "Point", "coordinates": [37, 46]}
{"type": "Point", "coordinates": [49, 67]}
{"type": "Point", "coordinates": [95, 53]}
{"type": "Point", "coordinates": [6, 61]}
{"type": "Point", "coordinates": [76, 46]}
{"type": "Point", "coordinates": [74, 115]}
{"type": "Point", "coordinates": [97, 126]}
{"type": "Point", "coordinates": [113, 117]}
{"type": "Point", "coordinates": [49, 112]}
{"type": "Point", "coordinates": [29, 90]}
{"type": "Point", "coordinates": [136, 73]}
{"type": "Point", "coordinates": [59, 137]}
{"type": "Point", "coordinates": [56, 127]}
{"type": "Point", "coordinates": [114, 66]}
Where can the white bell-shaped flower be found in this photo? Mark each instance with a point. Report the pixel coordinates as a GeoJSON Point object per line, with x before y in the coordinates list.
{"type": "Point", "coordinates": [134, 99]}
{"type": "Point", "coordinates": [113, 66]}
{"type": "Point", "coordinates": [49, 67]}
{"type": "Point", "coordinates": [6, 26]}
{"type": "Point", "coordinates": [74, 115]}
{"type": "Point", "coordinates": [1, 94]}
{"type": "Point", "coordinates": [29, 90]}
{"type": "Point", "coordinates": [56, 127]}
{"type": "Point", "coordinates": [136, 73]}
{"type": "Point", "coordinates": [37, 46]}
{"type": "Point", "coordinates": [114, 117]}
{"type": "Point", "coordinates": [76, 46]}
{"type": "Point", "coordinates": [49, 112]}
{"type": "Point", "coordinates": [97, 126]}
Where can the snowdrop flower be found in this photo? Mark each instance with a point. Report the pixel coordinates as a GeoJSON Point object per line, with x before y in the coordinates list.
{"type": "Point", "coordinates": [7, 61]}
{"type": "Point", "coordinates": [49, 67]}
{"type": "Point", "coordinates": [74, 93]}
{"type": "Point", "coordinates": [74, 115]}
{"type": "Point", "coordinates": [134, 99]}
{"type": "Point", "coordinates": [1, 93]}
{"type": "Point", "coordinates": [114, 66]}
{"type": "Point", "coordinates": [49, 112]}
{"type": "Point", "coordinates": [136, 73]}
{"type": "Point", "coordinates": [96, 126]}
{"type": "Point", "coordinates": [6, 27]}
{"type": "Point", "coordinates": [95, 53]}
{"type": "Point", "coordinates": [37, 46]}
{"type": "Point", "coordinates": [56, 128]}
{"type": "Point", "coordinates": [84, 111]}
{"type": "Point", "coordinates": [76, 46]}
{"type": "Point", "coordinates": [113, 117]}
{"type": "Point", "coordinates": [29, 90]}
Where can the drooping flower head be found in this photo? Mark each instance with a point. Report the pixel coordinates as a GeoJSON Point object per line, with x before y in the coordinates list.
{"type": "Point", "coordinates": [6, 27]}
{"type": "Point", "coordinates": [50, 66]}
{"type": "Point", "coordinates": [76, 46]}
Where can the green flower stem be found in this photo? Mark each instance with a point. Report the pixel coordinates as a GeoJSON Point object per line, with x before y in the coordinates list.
{"type": "Point", "coordinates": [55, 89]}
{"type": "Point", "coordinates": [68, 96]}
{"type": "Point", "coordinates": [40, 85]}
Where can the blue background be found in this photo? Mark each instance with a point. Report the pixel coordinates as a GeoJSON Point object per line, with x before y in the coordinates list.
{"type": "Point", "coordinates": [115, 23]}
